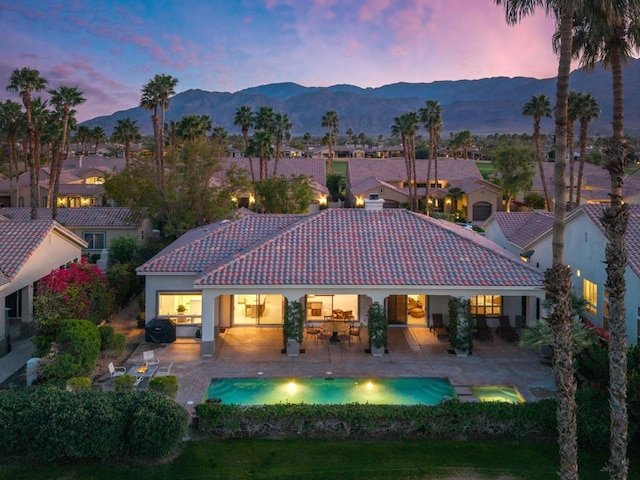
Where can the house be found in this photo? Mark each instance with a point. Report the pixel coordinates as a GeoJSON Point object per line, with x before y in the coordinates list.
{"type": "Point", "coordinates": [584, 251]}
{"type": "Point", "coordinates": [29, 250]}
{"type": "Point", "coordinates": [388, 178]}
{"type": "Point", "coordinates": [97, 226]}
{"type": "Point", "coordinates": [241, 271]}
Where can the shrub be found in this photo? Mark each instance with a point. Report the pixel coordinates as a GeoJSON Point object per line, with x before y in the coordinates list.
{"type": "Point", "coordinates": [293, 326]}
{"type": "Point", "coordinates": [125, 249]}
{"type": "Point", "coordinates": [167, 385]}
{"type": "Point", "coordinates": [78, 384]}
{"type": "Point", "coordinates": [124, 383]}
{"type": "Point", "coordinates": [106, 334]}
{"type": "Point", "coordinates": [377, 326]}
{"type": "Point", "coordinates": [460, 324]}
{"type": "Point", "coordinates": [534, 200]}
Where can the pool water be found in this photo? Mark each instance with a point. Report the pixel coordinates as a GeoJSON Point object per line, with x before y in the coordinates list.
{"type": "Point", "coordinates": [497, 393]}
{"type": "Point", "coordinates": [380, 391]}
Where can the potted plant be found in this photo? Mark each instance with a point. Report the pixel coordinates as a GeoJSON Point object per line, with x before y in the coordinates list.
{"type": "Point", "coordinates": [181, 309]}
{"type": "Point", "coordinates": [293, 328]}
{"type": "Point", "coordinates": [377, 328]}
{"type": "Point", "coordinates": [460, 326]}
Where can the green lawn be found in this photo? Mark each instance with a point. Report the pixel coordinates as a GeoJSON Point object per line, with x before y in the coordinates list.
{"type": "Point", "coordinates": [320, 459]}
{"type": "Point", "coordinates": [486, 169]}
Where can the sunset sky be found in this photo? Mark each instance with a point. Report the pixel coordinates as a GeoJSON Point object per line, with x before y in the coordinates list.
{"type": "Point", "coordinates": [110, 49]}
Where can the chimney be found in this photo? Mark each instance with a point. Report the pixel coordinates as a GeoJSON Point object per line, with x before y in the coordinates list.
{"type": "Point", "coordinates": [374, 202]}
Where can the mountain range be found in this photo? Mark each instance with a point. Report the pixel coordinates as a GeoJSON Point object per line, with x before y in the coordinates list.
{"type": "Point", "coordinates": [485, 106]}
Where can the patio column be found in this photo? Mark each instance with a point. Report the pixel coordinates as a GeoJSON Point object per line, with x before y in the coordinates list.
{"type": "Point", "coordinates": [26, 322]}
{"type": "Point", "coordinates": [210, 305]}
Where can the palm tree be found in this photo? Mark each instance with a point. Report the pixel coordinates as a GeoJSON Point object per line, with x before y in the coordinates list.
{"type": "Point", "coordinates": [63, 99]}
{"type": "Point", "coordinates": [558, 277]}
{"type": "Point", "coordinates": [126, 131]}
{"type": "Point", "coordinates": [193, 127]}
{"type": "Point", "coordinates": [25, 81]}
{"type": "Point", "coordinates": [264, 122]}
{"type": "Point", "coordinates": [572, 116]}
{"type": "Point", "coordinates": [260, 146]}
{"type": "Point", "coordinates": [607, 31]}
{"type": "Point", "coordinates": [588, 109]}
{"type": "Point", "coordinates": [83, 134]}
{"type": "Point", "coordinates": [282, 130]}
{"type": "Point", "coordinates": [10, 123]}
{"type": "Point", "coordinates": [406, 126]}
{"type": "Point", "coordinates": [307, 140]}
{"type": "Point", "coordinates": [431, 117]}
{"type": "Point", "coordinates": [219, 137]}
{"type": "Point", "coordinates": [363, 139]}
{"type": "Point", "coordinates": [537, 107]}
{"type": "Point", "coordinates": [330, 122]}
{"type": "Point", "coordinates": [349, 135]}
{"type": "Point", "coordinates": [97, 135]}
{"type": "Point", "coordinates": [244, 119]}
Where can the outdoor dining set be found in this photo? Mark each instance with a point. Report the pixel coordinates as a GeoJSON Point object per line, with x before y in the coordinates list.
{"type": "Point", "coordinates": [338, 328]}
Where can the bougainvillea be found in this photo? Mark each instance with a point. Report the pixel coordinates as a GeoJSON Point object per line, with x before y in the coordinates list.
{"type": "Point", "coordinates": [79, 290]}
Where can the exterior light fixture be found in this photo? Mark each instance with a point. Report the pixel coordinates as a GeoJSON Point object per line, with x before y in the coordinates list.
{"type": "Point", "coordinates": [526, 256]}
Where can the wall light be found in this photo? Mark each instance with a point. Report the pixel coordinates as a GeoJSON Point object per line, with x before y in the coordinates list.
{"type": "Point", "coordinates": [526, 256]}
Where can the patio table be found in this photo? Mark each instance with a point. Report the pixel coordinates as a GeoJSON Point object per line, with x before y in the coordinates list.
{"type": "Point", "coordinates": [140, 376]}
{"type": "Point", "coordinates": [335, 327]}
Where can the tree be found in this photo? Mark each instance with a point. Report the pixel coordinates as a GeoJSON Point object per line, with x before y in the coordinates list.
{"type": "Point", "coordinates": [244, 119]}
{"type": "Point", "coordinates": [260, 146]}
{"type": "Point", "coordinates": [558, 277]}
{"type": "Point", "coordinates": [98, 136]}
{"type": "Point", "coordinates": [330, 121]}
{"type": "Point", "coordinates": [588, 109]}
{"type": "Point", "coordinates": [10, 124]}
{"type": "Point", "coordinates": [25, 81]}
{"type": "Point", "coordinates": [284, 195]}
{"type": "Point", "coordinates": [63, 99]}
{"type": "Point", "coordinates": [406, 126]}
{"type": "Point", "coordinates": [281, 131]}
{"type": "Point", "coordinates": [514, 170]}
{"type": "Point", "coordinates": [349, 135]}
{"type": "Point", "coordinates": [537, 107]}
{"type": "Point", "coordinates": [460, 144]}
{"type": "Point", "coordinates": [431, 117]}
{"type": "Point", "coordinates": [362, 138]}
{"type": "Point", "coordinates": [607, 31]}
{"type": "Point", "coordinates": [193, 127]}
{"type": "Point", "coordinates": [307, 140]}
{"type": "Point", "coordinates": [572, 117]}
{"type": "Point", "coordinates": [126, 131]}
{"type": "Point", "coordinates": [219, 138]}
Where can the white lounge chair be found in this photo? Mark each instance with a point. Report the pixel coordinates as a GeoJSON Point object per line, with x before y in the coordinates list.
{"type": "Point", "coordinates": [116, 371]}
{"type": "Point", "coordinates": [150, 358]}
{"type": "Point", "coordinates": [164, 371]}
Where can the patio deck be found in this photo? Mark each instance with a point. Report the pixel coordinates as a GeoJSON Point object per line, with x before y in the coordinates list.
{"type": "Point", "coordinates": [413, 352]}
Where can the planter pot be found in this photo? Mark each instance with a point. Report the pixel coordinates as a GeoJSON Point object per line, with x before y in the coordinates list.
{"type": "Point", "coordinates": [377, 351]}
{"type": "Point", "coordinates": [293, 348]}
{"type": "Point", "coordinates": [462, 353]}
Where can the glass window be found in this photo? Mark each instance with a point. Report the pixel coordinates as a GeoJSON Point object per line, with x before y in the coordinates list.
{"type": "Point", "coordinates": [590, 293]}
{"type": "Point", "coordinates": [96, 240]}
{"type": "Point", "coordinates": [183, 307]}
{"type": "Point", "coordinates": [486, 305]}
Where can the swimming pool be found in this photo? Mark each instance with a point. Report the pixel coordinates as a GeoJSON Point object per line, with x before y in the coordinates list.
{"type": "Point", "coordinates": [379, 391]}
{"type": "Point", "coordinates": [497, 393]}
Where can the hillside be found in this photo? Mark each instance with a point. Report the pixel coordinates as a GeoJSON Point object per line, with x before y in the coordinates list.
{"type": "Point", "coordinates": [485, 106]}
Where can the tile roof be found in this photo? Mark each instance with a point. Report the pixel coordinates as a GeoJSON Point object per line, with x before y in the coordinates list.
{"type": "Point", "coordinates": [80, 217]}
{"type": "Point", "coordinates": [344, 247]}
{"type": "Point", "coordinates": [393, 169]}
{"type": "Point", "coordinates": [632, 239]}
{"type": "Point", "coordinates": [87, 189]}
{"type": "Point", "coordinates": [522, 228]}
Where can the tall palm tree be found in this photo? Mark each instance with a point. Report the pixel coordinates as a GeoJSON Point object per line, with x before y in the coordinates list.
{"type": "Point", "coordinates": [219, 136]}
{"type": "Point", "coordinates": [330, 121]}
{"type": "Point", "coordinates": [11, 117]}
{"type": "Point", "coordinates": [244, 119]}
{"type": "Point", "coordinates": [97, 136]}
{"type": "Point", "coordinates": [588, 109]}
{"type": "Point", "coordinates": [431, 117]}
{"type": "Point", "coordinates": [558, 277]}
{"type": "Point", "coordinates": [264, 123]}
{"type": "Point", "coordinates": [572, 117]}
{"type": "Point", "coordinates": [607, 31]}
{"type": "Point", "coordinates": [282, 130]}
{"type": "Point", "coordinates": [362, 138]}
{"type": "Point", "coordinates": [126, 131]}
{"type": "Point", "coordinates": [63, 98]}
{"type": "Point", "coordinates": [539, 106]}
{"type": "Point", "coordinates": [406, 126]}
{"type": "Point", "coordinates": [83, 135]}
{"type": "Point", "coordinates": [25, 81]}
{"type": "Point", "coordinates": [260, 146]}
{"type": "Point", "coordinates": [349, 135]}
{"type": "Point", "coordinates": [307, 140]}
{"type": "Point", "coordinates": [193, 127]}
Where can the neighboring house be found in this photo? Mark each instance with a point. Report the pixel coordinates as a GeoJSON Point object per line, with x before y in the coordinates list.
{"type": "Point", "coordinates": [97, 226]}
{"type": "Point", "coordinates": [584, 251]}
{"type": "Point", "coordinates": [29, 250]}
{"type": "Point", "coordinates": [240, 272]}
{"type": "Point", "coordinates": [388, 178]}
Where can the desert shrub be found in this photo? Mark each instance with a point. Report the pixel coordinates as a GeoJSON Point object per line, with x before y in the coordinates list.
{"type": "Point", "coordinates": [534, 200]}
{"type": "Point", "coordinates": [125, 249]}
{"type": "Point", "coordinates": [167, 385]}
{"type": "Point", "coordinates": [124, 282]}
{"type": "Point", "coordinates": [78, 384]}
{"type": "Point", "coordinates": [124, 383]}
{"type": "Point", "coordinates": [106, 334]}
{"type": "Point", "coordinates": [46, 423]}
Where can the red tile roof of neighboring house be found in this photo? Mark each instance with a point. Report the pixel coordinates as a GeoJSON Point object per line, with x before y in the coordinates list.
{"type": "Point", "coordinates": [86, 189]}
{"type": "Point", "coordinates": [632, 239]}
{"type": "Point", "coordinates": [344, 247]}
{"type": "Point", "coordinates": [80, 217]}
{"type": "Point", "coordinates": [394, 170]}
{"type": "Point", "coordinates": [522, 228]}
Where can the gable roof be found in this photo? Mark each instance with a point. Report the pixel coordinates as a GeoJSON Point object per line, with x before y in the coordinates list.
{"type": "Point", "coordinates": [344, 247]}
{"type": "Point", "coordinates": [115, 217]}
{"type": "Point", "coordinates": [394, 170]}
{"type": "Point", "coordinates": [522, 228]}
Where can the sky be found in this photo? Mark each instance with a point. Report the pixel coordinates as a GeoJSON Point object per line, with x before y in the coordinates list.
{"type": "Point", "coordinates": [110, 49]}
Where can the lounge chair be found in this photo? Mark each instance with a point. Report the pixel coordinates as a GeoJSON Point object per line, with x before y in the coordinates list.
{"type": "Point", "coordinates": [116, 371]}
{"type": "Point", "coordinates": [483, 333]}
{"type": "Point", "coordinates": [506, 330]}
{"type": "Point", "coordinates": [150, 358]}
{"type": "Point", "coordinates": [437, 325]}
{"type": "Point", "coordinates": [164, 371]}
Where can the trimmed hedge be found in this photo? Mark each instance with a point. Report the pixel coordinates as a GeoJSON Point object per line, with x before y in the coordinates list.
{"type": "Point", "coordinates": [48, 423]}
{"type": "Point", "coordinates": [167, 385]}
{"type": "Point", "coordinates": [452, 420]}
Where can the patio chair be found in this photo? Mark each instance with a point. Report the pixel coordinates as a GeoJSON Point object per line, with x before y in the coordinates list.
{"type": "Point", "coordinates": [116, 371]}
{"type": "Point", "coordinates": [164, 371]}
{"type": "Point", "coordinates": [483, 332]}
{"type": "Point", "coordinates": [437, 325]}
{"type": "Point", "coordinates": [354, 331]}
{"type": "Point", "coordinates": [521, 321]}
{"type": "Point", "coordinates": [312, 330]}
{"type": "Point", "coordinates": [506, 330]}
{"type": "Point", "coordinates": [150, 358]}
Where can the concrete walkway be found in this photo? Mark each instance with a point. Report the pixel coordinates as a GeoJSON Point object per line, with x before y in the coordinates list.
{"type": "Point", "coordinates": [21, 351]}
